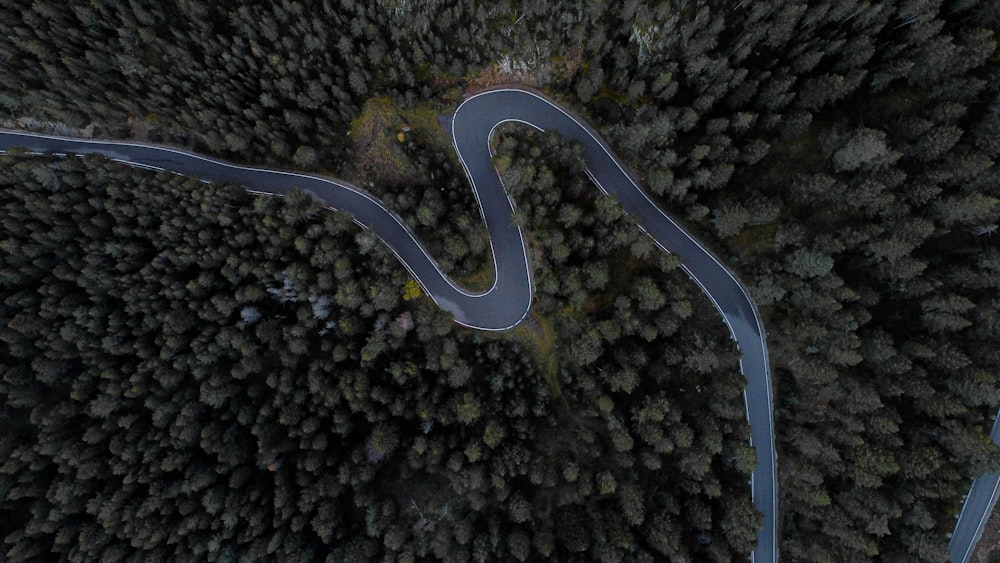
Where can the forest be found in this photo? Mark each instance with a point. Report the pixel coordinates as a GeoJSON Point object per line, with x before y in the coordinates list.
{"type": "Point", "coordinates": [228, 377]}
{"type": "Point", "coordinates": [191, 372]}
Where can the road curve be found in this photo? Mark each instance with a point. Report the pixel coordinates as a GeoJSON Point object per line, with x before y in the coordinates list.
{"type": "Point", "coordinates": [507, 302]}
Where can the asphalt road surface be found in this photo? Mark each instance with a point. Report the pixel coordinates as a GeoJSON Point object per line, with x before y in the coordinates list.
{"type": "Point", "coordinates": [507, 302]}
{"type": "Point", "coordinates": [976, 510]}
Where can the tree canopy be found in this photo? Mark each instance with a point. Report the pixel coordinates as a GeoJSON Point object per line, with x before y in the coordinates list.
{"type": "Point", "coordinates": [166, 344]}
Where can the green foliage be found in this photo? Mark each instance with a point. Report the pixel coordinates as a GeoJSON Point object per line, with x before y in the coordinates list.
{"type": "Point", "coordinates": [411, 290]}
{"type": "Point", "coordinates": [305, 157]}
{"type": "Point", "coordinates": [863, 148]}
{"type": "Point", "coordinates": [843, 154]}
{"type": "Point", "coordinates": [263, 382]}
{"type": "Point", "coordinates": [374, 134]}
{"type": "Point", "coordinates": [809, 264]}
{"type": "Point", "coordinates": [641, 354]}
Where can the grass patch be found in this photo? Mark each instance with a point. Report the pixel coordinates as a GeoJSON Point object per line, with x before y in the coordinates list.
{"type": "Point", "coordinates": [479, 281]}
{"type": "Point", "coordinates": [537, 333]}
{"type": "Point", "coordinates": [547, 356]}
{"type": "Point", "coordinates": [755, 241]}
{"type": "Point", "coordinates": [379, 133]}
{"type": "Point", "coordinates": [424, 128]}
{"type": "Point", "coordinates": [379, 154]}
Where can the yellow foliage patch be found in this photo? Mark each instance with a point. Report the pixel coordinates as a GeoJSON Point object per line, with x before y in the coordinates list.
{"type": "Point", "coordinates": [411, 290]}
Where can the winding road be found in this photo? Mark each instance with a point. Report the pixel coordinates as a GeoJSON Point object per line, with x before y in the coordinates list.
{"type": "Point", "coordinates": [508, 301]}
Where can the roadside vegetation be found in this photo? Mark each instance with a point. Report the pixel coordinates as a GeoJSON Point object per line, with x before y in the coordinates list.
{"type": "Point", "coordinates": [405, 158]}
{"type": "Point", "coordinates": [839, 156]}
